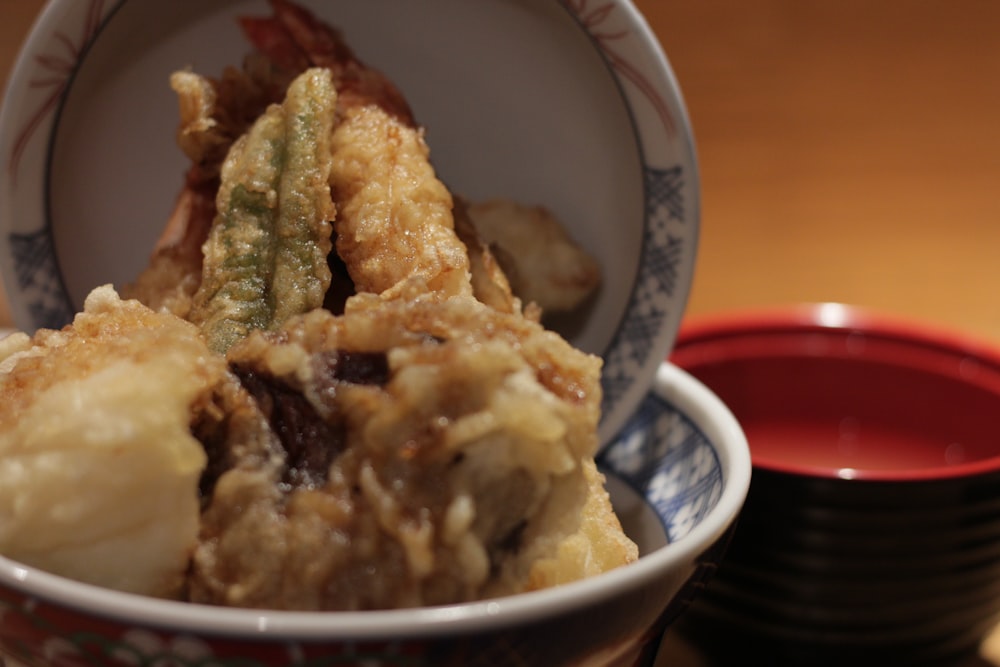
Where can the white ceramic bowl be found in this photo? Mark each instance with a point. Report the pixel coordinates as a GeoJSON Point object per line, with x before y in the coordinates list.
{"type": "Point", "coordinates": [678, 476]}
{"type": "Point", "coordinates": [568, 104]}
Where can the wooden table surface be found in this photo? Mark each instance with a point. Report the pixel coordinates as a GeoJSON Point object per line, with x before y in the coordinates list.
{"type": "Point", "coordinates": [849, 151]}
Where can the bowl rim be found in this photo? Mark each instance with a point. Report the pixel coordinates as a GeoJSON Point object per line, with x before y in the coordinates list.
{"type": "Point", "coordinates": [38, 296]}
{"type": "Point", "coordinates": [673, 384]}
{"type": "Point", "coordinates": [831, 317]}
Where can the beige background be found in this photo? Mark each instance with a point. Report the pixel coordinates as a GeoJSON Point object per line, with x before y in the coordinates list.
{"type": "Point", "coordinates": [850, 150]}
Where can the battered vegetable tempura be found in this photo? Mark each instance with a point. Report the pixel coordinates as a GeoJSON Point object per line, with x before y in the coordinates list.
{"type": "Point", "coordinates": [395, 216]}
{"type": "Point", "coordinates": [432, 452]}
{"type": "Point", "coordinates": [230, 437]}
{"type": "Point", "coordinates": [98, 467]}
{"type": "Point", "coordinates": [265, 257]}
{"type": "Point", "coordinates": [543, 264]}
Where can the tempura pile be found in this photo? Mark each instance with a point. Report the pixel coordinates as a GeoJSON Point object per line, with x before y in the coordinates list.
{"type": "Point", "coordinates": [325, 392]}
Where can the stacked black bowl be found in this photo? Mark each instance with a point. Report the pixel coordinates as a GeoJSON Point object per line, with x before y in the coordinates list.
{"type": "Point", "coordinates": [871, 533]}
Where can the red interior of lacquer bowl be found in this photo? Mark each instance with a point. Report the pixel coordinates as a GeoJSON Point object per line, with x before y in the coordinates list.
{"type": "Point", "coordinates": [836, 392]}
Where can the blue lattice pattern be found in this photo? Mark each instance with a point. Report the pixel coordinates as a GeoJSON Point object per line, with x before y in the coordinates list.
{"type": "Point", "coordinates": [655, 287]}
{"type": "Point", "coordinates": [671, 463]}
{"type": "Point", "coordinates": [38, 279]}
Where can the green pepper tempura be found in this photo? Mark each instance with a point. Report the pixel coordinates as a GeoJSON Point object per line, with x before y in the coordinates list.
{"type": "Point", "coordinates": [265, 256]}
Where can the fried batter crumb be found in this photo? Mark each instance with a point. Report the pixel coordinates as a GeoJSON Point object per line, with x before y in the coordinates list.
{"type": "Point", "coordinates": [464, 465]}
{"type": "Point", "coordinates": [430, 442]}
{"type": "Point", "coordinates": [98, 468]}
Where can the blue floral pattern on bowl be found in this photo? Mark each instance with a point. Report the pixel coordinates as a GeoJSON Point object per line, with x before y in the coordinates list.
{"type": "Point", "coordinates": [664, 456]}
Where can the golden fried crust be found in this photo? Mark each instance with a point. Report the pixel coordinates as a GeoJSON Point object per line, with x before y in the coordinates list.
{"type": "Point", "coordinates": [489, 283]}
{"type": "Point", "coordinates": [98, 468]}
{"type": "Point", "coordinates": [422, 448]}
{"type": "Point", "coordinates": [213, 114]}
{"type": "Point", "coordinates": [567, 548]}
{"type": "Point", "coordinates": [173, 275]}
{"type": "Point", "coordinates": [543, 263]}
{"type": "Point", "coordinates": [464, 468]}
{"type": "Point", "coordinates": [265, 258]}
{"type": "Point", "coordinates": [394, 216]}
